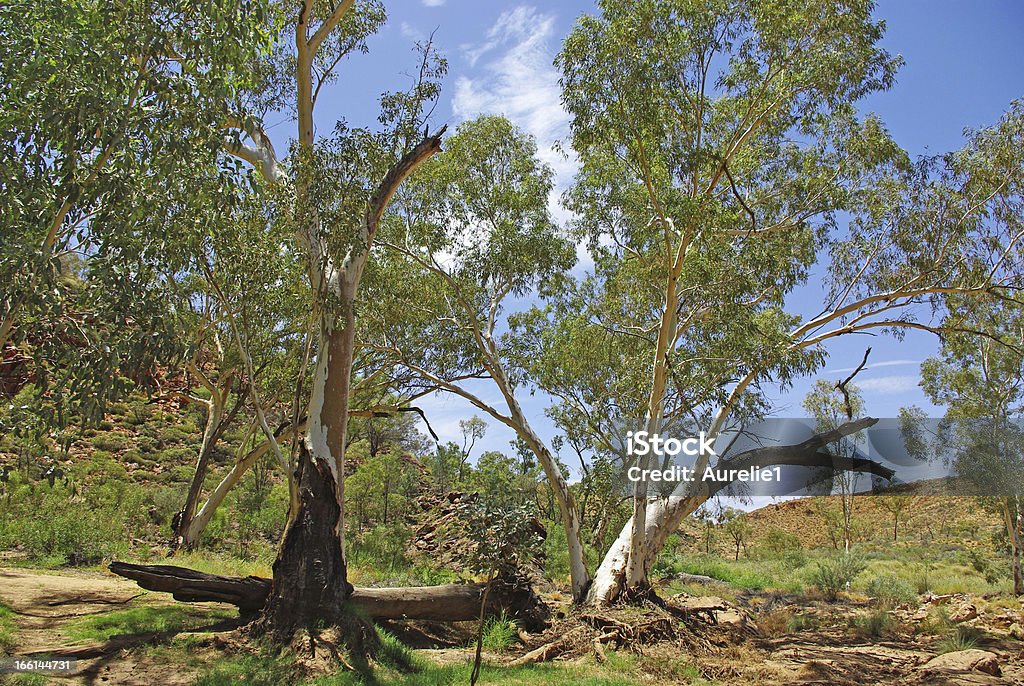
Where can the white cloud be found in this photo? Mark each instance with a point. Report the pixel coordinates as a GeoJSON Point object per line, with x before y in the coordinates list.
{"type": "Point", "coordinates": [889, 385]}
{"type": "Point", "coordinates": [411, 32]}
{"type": "Point", "coordinates": [511, 73]}
{"type": "Point", "coordinates": [876, 365]}
{"type": "Point", "coordinates": [433, 3]}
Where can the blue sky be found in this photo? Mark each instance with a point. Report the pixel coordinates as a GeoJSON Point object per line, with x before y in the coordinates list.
{"type": "Point", "coordinates": [963, 66]}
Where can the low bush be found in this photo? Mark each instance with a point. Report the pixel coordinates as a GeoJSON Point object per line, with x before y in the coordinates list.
{"type": "Point", "coordinates": [500, 633]}
{"type": "Point", "coordinates": [836, 574]}
{"type": "Point", "coordinates": [963, 637]}
{"type": "Point", "coordinates": [873, 624]}
{"type": "Point", "coordinates": [110, 442]}
{"type": "Point", "coordinates": [890, 590]}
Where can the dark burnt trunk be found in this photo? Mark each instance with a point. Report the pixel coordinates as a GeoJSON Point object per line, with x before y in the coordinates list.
{"type": "Point", "coordinates": [310, 585]}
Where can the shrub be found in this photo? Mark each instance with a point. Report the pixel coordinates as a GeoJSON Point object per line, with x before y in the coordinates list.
{"type": "Point", "coordinates": [964, 637]}
{"type": "Point", "coordinates": [500, 633]}
{"type": "Point", "coordinates": [836, 574]}
{"type": "Point", "coordinates": [178, 456]}
{"type": "Point", "coordinates": [888, 589]}
{"type": "Point", "coordinates": [110, 442]}
{"type": "Point", "coordinates": [873, 624]}
{"type": "Point", "coordinates": [775, 622]}
{"type": "Point", "coordinates": [922, 581]}
{"type": "Point", "coordinates": [146, 444]}
{"type": "Point", "coordinates": [182, 474]}
{"type": "Point", "coordinates": [794, 559]}
{"type": "Point", "coordinates": [802, 622]}
{"type": "Point", "coordinates": [983, 565]}
{"type": "Point", "coordinates": [740, 575]}
{"type": "Point", "coordinates": [47, 525]}
{"type": "Point", "coordinates": [174, 434]}
{"type": "Point", "coordinates": [383, 546]}
{"type": "Point", "coordinates": [8, 630]}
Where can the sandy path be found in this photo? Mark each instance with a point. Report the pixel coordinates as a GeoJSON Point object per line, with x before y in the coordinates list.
{"type": "Point", "coordinates": [44, 603]}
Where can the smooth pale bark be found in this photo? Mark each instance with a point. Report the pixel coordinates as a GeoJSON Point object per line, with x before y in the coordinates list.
{"type": "Point", "coordinates": [328, 408]}
{"type": "Point", "coordinates": [578, 573]}
{"type": "Point", "coordinates": [639, 557]}
{"type": "Point", "coordinates": [310, 585]}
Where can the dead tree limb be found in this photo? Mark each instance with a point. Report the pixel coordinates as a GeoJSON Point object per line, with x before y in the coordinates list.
{"type": "Point", "coordinates": [448, 603]}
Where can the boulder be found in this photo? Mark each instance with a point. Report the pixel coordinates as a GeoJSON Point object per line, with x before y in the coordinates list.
{"type": "Point", "coordinates": [964, 613]}
{"type": "Point", "coordinates": [964, 661]}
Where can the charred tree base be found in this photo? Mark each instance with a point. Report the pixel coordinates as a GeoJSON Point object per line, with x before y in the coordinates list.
{"type": "Point", "coordinates": [310, 585]}
{"type": "Point", "coordinates": [638, 595]}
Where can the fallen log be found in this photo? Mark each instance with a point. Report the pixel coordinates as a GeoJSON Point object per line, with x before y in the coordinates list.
{"type": "Point", "coordinates": [448, 603]}
{"type": "Point", "coordinates": [189, 586]}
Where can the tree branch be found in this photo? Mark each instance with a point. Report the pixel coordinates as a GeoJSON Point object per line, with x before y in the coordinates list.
{"type": "Point", "coordinates": [423, 150]}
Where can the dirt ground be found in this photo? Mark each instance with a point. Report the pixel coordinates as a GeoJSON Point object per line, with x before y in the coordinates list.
{"type": "Point", "coordinates": [726, 647]}
{"type": "Point", "coordinates": [44, 603]}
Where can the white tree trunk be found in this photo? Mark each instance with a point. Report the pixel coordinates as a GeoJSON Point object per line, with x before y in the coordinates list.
{"type": "Point", "coordinates": [579, 576]}
{"type": "Point", "coordinates": [662, 518]}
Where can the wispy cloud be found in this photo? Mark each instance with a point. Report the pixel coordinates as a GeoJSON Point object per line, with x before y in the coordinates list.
{"type": "Point", "coordinates": [511, 73]}
{"type": "Point", "coordinates": [875, 365]}
{"type": "Point", "coordinates": [433, 3]}
{"type": "Point", "coordinates": [411, 32]}
{"type": "Point", "coordinates": [889, 385]}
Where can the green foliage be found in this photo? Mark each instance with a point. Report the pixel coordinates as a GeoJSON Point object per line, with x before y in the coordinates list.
{"type": "Point", "coordinates": [500, 633]}
{"type": "Point", "coordinates": [109, 151]}
{"type": "Point", "coordinates": [873, 624]}
{"type": "Point", "coordinates": [380, 489]}
{"type": "Point", "coordinates": [983, 564]}
{"type": "Point", "coordinates": [382, 546]}
{"type": "Point", "coordinates": [257, 670]}
{"type": "Point", "coordinates": [777, 542]}
{"type": "Point", "coordinates": [63, 526]}
{"type": "Point", "coordinates": [8, 631]}
{"type": "Point", "coordinates": [740, 576]}
{"type": "Point", "coordinates": [802, 622]}
{"type": "Point", "coordinates": [734, 523]}
{"type": "Point", "coordinates": [962, 637]}
{"type": "Point", "coordinates": [836, 574]}
{"type": "Point", "coordinates": [504, 539]}
{"type": "Point", "coordinates": [397, 666]}
{"type": "Point", "coordinates": [888, 589]}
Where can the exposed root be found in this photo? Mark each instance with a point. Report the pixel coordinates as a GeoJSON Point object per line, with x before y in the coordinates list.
{"type": "Point", "coordinates": [548, 651]}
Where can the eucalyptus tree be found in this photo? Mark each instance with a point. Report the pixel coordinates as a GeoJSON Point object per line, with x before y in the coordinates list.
{"type": "Point", "coordinates": [241, 298]}
{"type": "Point", "coordinates": [719, 142]}
{"type": "Point", "coordinates": [338, 188]}
{"type": "Point", "coordinates": [471, 235]}
{"type": "Point", "coordinates": [979, 378]}
{"type": "Point", "coordinates": [109, 116]}
{"type": "Point", "coordinates": [829, 408]}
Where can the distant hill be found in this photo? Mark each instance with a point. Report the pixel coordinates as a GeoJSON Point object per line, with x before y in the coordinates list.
{"type": "Point", "coordinates": [927, 520]}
